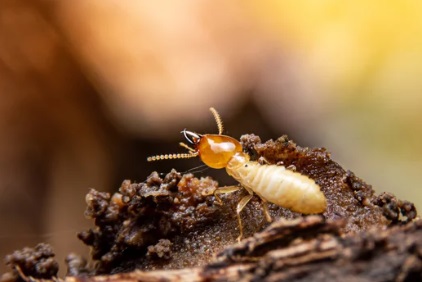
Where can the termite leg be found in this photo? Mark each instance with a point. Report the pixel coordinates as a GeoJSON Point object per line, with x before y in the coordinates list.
{"type": "Point", "coordinates": [225, 190]}
{"type": "Point", "coordinates": [266, 211]}
{"type": "Point", "coordinates": [245, 200]}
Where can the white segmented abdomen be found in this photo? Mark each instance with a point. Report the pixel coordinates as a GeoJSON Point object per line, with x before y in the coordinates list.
{"type": "Point", "coordinates": [281, 186]}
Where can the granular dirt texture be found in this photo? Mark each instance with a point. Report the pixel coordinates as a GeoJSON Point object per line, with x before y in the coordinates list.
{"type": "Point", "coordinates": [161, 250]}
{"type": "Point", "coordinates": [174, 222]}
{"type": "Point", "coordinates": [132, 226]}
{"type": "Point", "coordinates": [31, 263]}
{"type": "Point", "coordinates": [394, 209]}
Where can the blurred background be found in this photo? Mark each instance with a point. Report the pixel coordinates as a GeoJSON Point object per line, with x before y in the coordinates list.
{"type": "Point", "coordinates": [89, 89]}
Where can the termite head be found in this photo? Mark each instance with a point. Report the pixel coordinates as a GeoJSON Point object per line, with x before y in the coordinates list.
{"type": "Point", "coordinates": [215, 150]}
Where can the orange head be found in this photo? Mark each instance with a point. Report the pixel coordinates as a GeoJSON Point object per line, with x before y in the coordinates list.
{"type": "Point", "coordinates": [215, 150]}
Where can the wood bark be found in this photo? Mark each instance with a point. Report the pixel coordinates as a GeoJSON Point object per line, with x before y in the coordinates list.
{"type": "Point", "coordinates": [306, 249]}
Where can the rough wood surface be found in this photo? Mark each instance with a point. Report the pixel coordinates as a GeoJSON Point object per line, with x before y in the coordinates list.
{"type": "Point", "coordinates": [170, 228]}
{"type": "Point", "coordinates": [173, 221]}
{"type": "Point", "coordinates": [307, 249]}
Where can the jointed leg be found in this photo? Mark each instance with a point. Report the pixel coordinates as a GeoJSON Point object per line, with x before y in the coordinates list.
{"type": "Point", "coordinates": [266, 211]}
{"type": "Point", "coordinates": [225, 190]}
{"type": "Point", "coordinates": [245, 200]}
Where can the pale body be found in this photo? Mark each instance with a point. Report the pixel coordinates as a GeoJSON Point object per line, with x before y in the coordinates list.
{"type": "Point", "coordinates": [278, 185]}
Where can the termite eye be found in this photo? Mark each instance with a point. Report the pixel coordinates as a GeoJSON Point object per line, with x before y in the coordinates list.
{"type": "Point", "coordinates": [217, 150]}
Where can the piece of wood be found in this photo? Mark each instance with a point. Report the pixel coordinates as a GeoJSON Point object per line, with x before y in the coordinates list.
{"type": "Point", "coordinates": [172, 229]}
{"type": "Point", "coordinates": [306, 249]}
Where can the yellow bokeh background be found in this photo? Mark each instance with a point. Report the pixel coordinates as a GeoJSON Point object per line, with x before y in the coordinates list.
{"type": "Point", "coordinates": [367, 59]}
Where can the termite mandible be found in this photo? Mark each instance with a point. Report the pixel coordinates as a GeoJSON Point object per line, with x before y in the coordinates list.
{"type": "Point", "coordinates": [272, 183]}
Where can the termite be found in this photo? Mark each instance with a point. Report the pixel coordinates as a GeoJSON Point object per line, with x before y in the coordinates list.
{"type": "Point", "coordinates": [272, 183]}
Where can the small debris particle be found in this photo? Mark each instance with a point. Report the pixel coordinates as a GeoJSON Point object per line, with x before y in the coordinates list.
{"type": "Point", "coordinates": [161, 250]}
{"type": "Point", "coordinates": [35, 262]}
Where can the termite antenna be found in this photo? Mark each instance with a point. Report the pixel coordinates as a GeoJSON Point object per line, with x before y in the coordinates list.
{"type": "Point", "coordinates": [217, 120]}
{"type": "Point", "coordinates": [192, 152]}
{"type": "Point", "coordinates": [171, 157]}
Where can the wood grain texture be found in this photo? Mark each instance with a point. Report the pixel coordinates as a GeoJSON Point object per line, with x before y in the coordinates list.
{"type": "Point", "coordinates": [306, 249]}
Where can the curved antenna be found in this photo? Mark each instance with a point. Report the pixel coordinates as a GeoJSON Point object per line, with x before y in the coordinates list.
{"type": "Point", "coordinates": [217, 120]}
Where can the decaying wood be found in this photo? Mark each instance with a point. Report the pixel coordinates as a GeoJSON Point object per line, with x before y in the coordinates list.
{"type": "Point", "coordinates": [173, 221]}
{"type": "Point", "coordinates": [306, 249]}
{"type": "Point", "coordinates": [171, 229]}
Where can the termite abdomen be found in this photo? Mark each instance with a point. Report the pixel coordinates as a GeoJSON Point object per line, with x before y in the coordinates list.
{"type": "Point", "coordinates": [283, 187]}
